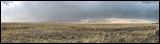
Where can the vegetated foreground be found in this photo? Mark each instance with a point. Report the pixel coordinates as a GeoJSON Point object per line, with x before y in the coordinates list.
{"type": "Point", "coordinates": [79, 33]}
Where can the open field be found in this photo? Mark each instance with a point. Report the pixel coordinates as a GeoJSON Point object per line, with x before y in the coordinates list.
{"type": "Point", "coordinates": [79, 33]}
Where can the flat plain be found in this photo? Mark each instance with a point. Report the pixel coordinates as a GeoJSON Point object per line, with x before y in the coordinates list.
{"type": "Point", "coordinates": [79, 33]}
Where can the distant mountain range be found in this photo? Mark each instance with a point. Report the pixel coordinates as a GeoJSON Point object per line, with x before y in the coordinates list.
{"type": "Point", "coordinates": [103, 20]}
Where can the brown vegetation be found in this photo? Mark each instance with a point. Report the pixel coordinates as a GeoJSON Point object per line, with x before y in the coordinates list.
{"type": "Point", "coordinates": [79, 33]}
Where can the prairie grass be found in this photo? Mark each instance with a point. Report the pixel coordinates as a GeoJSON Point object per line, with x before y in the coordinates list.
{"type": "Point", "coordinates": [79, 33]}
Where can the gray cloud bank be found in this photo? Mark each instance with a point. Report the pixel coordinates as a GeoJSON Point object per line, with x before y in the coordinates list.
{"type": "Point", "coordinates": [39, 11]}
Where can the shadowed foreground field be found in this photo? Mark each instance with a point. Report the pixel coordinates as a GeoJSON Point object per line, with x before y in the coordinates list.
{"type": "Point", "coordinates": [79, 33]}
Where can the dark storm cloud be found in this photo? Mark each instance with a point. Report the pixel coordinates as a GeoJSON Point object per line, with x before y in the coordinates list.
{"type": "Point", "coordinates": [38, 11]}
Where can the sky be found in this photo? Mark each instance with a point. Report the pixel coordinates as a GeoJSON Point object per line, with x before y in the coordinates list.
{"type": "Point", "coordinates": [41, 11]}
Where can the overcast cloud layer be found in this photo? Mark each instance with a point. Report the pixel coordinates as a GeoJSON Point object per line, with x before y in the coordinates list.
{"type": "Point", "coordinates": [39, 11]}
